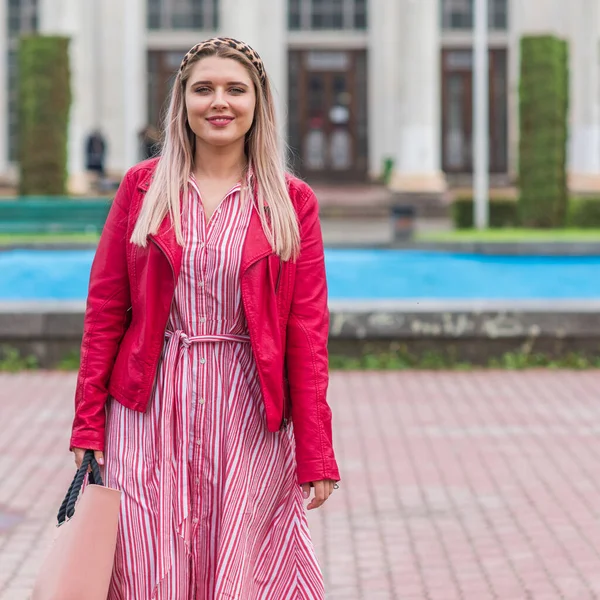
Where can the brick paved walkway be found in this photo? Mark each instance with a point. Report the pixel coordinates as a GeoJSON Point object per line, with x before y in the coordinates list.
{"type": "Point", "coordinates": [456, 485]}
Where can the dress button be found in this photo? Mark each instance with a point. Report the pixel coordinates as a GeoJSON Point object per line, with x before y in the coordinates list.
{"type": "Point", "coordinates": [201, 401]}
{"type": "Point", "coordinates": [198, 442]}
{"type": "Point", "coordinates": [202, 361]}
{"type": "Point", "coordinates": [197, 480]}
{"type": "Point", "coordinates": [202, 319]}
{"type": "Point", "coordinates": [194, 520]}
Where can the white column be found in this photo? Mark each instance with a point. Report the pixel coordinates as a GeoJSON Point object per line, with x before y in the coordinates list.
{"type": "Point", "coordinates": [481, 114]}
{"type": "Point", "coordinates": [385, 18]}
{"type": "Point", "coordinates": [111, 19]}
{"type": "Point", "coordinates": [134, 92]}
{"type": "Point", "coordinates": [418, 153]}
{"type": "Point", "coordinates": [584, 142]}
{"type": "Point", "coordinates": [262, 25]}
{"type": "Point", "coordinates": [121, 72]}
{"type": "Point", "coordinates": [514, 62]}
{"type": "Point", "coordinates": [71, 18]}
{"type": "Point", "coordinates": [4, 90]}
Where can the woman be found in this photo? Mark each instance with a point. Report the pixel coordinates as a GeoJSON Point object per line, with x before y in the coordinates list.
{"type": "Point", "coordinates": [205, 338]}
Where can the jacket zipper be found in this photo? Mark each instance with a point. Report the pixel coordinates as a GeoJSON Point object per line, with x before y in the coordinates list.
{"type": "Point", "coordinates": [172, 272]}
{"type": "Point", "coordinates": [153, 240]}
{"type": "Point", "coordinates": [278, 276]}
{"type": "Point", "coordinates": [165, 255]}
{"type": "Point", "coordinates": [286, 399]}
{"type": "Point", "coordinates": [268, 214]}
{"type": "Point", "coordinates": [285, 418]}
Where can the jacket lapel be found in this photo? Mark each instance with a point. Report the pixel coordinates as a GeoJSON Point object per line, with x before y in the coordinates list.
{"type": "Point", "coordinates": [257, 245]}
{"type": "Point", "coordinates": [164, 238]}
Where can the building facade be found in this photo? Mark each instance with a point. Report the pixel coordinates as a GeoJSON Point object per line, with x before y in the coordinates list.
{"type": "Point", "coordinates": [357, 82]}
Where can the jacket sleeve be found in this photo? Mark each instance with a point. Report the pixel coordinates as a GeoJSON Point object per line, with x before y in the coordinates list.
{"type": "Point", "coordinates": [306, 352]}
{"type": "Point", "coordinates": [104, 323]}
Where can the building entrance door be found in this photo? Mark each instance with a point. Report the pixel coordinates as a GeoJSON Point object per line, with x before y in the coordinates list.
{"type": "Point", "coordinates": [457, 111]}
{"type": "Point", "coordinates": [326, 111]}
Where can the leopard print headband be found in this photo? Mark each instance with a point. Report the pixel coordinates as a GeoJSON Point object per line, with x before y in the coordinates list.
{"type": "Point", "coordinates": [217, 42]}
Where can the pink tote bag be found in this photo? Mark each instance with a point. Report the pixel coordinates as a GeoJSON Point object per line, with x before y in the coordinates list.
{"type": "Point", "coordinates": [79, 564]}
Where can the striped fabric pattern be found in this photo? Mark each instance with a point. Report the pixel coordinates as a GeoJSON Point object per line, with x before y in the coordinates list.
{"type": "Point", "coordinates": [211, 508]}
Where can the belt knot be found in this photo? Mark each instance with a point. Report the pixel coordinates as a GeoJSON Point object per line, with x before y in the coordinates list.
{"type": "Point", "coordinates": [180, 336]}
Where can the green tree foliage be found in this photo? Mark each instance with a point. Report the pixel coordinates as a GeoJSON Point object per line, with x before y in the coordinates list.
{"type": "Point", "coordinates": [543, 108]}
{"type": "Point", "coordinates": [44, 102]}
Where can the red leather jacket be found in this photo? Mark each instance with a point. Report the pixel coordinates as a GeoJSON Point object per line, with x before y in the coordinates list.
{"type": "Point", "coordinates": [129, 300]}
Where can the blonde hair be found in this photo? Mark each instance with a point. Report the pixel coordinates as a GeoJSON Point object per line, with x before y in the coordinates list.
{"type": "Point", "coordinates": [265, 153]}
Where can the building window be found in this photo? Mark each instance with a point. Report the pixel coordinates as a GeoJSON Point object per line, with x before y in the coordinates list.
{"type": "Point", "coordinates": [327, 14]}
{"type": "Point", "coordinates": [162, 69]}
{"type": "Point", "coordinates": [458, 14]}
{"type": "Point", "coordinates": [22, 19]}
{"type": "Point", "coordinates": [183, 14]}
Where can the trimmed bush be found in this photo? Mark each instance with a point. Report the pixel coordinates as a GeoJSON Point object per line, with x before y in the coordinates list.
{"type": "Point", "coordinates": [543, 108]}
{"type": "Point", "coordinates": [584, 212]}
{"type": "Point", "coordinates": [503, 212]}
{"type": "Point", "coordinates": [44, 102]}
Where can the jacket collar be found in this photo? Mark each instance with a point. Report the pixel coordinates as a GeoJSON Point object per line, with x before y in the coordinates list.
{"type": "Point", "coordinates": [144, 182]}
{"type": "Point", "coordinates": [256, 245]}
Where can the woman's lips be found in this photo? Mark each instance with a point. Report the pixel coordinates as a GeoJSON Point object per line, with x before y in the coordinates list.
{"type": "Point", "coordinates": [220, 121]}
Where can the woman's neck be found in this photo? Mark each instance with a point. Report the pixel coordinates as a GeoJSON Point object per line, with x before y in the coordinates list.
{"type": "Point", "coordinates": [219, 163]}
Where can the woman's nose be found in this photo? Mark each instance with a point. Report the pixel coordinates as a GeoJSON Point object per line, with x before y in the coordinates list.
{"type": "Point", "coordinates": [219, 100]}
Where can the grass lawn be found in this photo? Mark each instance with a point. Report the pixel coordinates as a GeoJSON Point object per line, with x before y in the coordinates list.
{"type": "Point", "coordinates": [462, 235]}
{"type": "Point", "coordinates": [511, 235]}
{"type": "Point", "coordinates": [9, 239]}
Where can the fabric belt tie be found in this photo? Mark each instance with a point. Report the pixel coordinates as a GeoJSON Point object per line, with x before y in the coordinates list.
{"type": "Point", "coordinates": [174, 495]}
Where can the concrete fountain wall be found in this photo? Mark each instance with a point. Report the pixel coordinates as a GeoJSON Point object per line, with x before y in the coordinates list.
{"type": "Point", "coordinates": [475, 331]}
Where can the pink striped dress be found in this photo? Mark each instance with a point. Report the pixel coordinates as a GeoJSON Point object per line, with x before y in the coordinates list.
{"type": "Point", "coordinates": [210, 508]}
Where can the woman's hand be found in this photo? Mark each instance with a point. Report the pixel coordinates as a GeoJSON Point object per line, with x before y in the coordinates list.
{"type": "Point", "coordinates": [80, 452]}
{"type": "Point", "coordinates": [323, 490]}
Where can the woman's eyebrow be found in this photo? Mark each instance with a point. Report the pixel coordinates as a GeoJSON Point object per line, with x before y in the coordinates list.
{"type": "Point", "coordinates": [207, 82]}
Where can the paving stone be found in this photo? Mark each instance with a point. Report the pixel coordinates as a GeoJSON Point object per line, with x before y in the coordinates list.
{"type": "Point", "coordinates": [469, 485]}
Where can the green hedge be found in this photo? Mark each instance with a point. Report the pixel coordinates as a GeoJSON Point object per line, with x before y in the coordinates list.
{"type": "Point", "coordinates": [583, 212]}
{"type": "Point", "coordinates": [44, 102]}
{"type": "Point", "coordinates": [543, 113]}
{"type": "Point", "coordinates": [502, 213]}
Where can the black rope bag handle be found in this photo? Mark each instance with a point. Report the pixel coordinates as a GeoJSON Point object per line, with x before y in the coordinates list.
{"type": "Point", "coordinates": [67, 508]}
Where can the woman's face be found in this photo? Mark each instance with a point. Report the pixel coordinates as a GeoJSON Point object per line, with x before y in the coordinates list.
{"type": "Point", "coordinates": [220, 101]}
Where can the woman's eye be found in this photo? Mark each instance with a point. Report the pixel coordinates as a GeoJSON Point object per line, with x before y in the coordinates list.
{"type": "Point", "coordinates": [202, 90]}
{"type": "Point", "coordinates": [238, 90]}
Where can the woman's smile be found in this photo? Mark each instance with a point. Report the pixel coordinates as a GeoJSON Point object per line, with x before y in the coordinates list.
{"type": "Point", "coordinates": [220, 121]}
